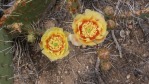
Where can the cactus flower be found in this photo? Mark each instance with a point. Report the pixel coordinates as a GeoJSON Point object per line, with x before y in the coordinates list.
{"type": "Point", "coordinates": [54, 44]}
{"type": "Point", "coordinates": [90, 28]}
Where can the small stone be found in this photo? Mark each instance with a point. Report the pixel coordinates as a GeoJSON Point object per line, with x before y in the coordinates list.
{"type": "Point", "coordinates": [144, 55]}
{"type": "Point", "coordinates": [87, 67]}
{"type": "Point", "coordinates": [90, 61]}
{"type": "Point", "coordinates": [128, 76]}
{"type": "Point", "coordinates": [130, 26]}
{"type": "Point", "coordinates": [66, 72]}
{"type": "Point", "coordinates": [122, 33]}
{"type": "Point", "coordinates": [127, 33]}
{"type": "Point", "coordinates": [59, 72]}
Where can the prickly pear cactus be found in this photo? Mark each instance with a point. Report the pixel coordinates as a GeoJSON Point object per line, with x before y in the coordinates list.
{"type": "Point", "coordinates": [26, 12]}
{"type": "Point", "coordinates": [29, 11]}
{"type": "Point", "coordinates": [6, 70]}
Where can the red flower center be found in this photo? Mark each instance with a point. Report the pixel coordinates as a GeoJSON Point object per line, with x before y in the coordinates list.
{"type": "Point", "coordinates": [89, 29]}
{"type": "Point", "coordinates": [55, 43]}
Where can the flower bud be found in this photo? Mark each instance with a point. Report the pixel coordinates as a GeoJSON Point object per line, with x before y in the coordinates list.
{"type": "Point", "coordinates": [16, 27]}
{"type": "Point", "coordinates": [31, 38]}
{"type": "Point", "coordinates": [103, 54]}
{"type": "Point", "coordinates": [109, 10]}
{"type": "Point", "coordinates": [105, 65]}
{"type": "Point", "coordinates": [111, 24]}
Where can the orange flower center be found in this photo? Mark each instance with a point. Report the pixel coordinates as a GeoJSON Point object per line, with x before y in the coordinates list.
{"type": "Point", "coordinates": [55, 43]}
{"type": "Point", "coordinates": [88, 29]}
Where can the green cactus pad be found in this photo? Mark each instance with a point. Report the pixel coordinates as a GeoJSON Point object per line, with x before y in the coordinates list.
{"type": "Point", "coordinates": [29, 11]}
{"type": "Point", "coordinates": [6, 70]}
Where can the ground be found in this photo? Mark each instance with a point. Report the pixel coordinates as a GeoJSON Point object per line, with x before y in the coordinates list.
{"type": "Point", "coordinates": [79, 67]}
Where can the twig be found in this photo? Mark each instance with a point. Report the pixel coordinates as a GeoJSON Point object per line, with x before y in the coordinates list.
{"type": "Point", "coordinates": [63, 5]}
{"type": "Point", "coordinates": [93, 52]}
{"type": "Point", "coordinates": [117, 7]}
{"type": "Point", "coordinates": [97, 9]}
{"type": "Point", "coordinates": [77, 61]}
{"type": "Point", "coordinates": [117, 44]}
{"type": "Point", "coordinates": [100, 81]}
{"type": "Point", "coordinates": [82, 6]}
{"type": "Point", "coordinates": [27, 50]}
{"type": "Point", "coordinates": [7, 5]}
{"type": "Point", "coordinates": [137, 38]}
{"type": "Point", "coordinates": [44, 67]}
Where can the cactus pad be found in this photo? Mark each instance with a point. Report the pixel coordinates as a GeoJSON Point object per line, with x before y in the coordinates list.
{"type": "Point", "coordinates": [6, 70]}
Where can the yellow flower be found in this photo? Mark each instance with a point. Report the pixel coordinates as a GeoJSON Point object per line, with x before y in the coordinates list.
{"type": "Point", "coordinates": [54, 44]}
{"type": "Point", "coordinates": [90, 28]}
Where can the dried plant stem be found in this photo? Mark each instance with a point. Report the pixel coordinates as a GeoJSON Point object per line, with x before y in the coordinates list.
{"type": "Point", "coordinates": [100, 81]}
{"type": "Point", "coordinates": [127, 14]}
{"type": "Point", "coordinates": [117, 44]}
